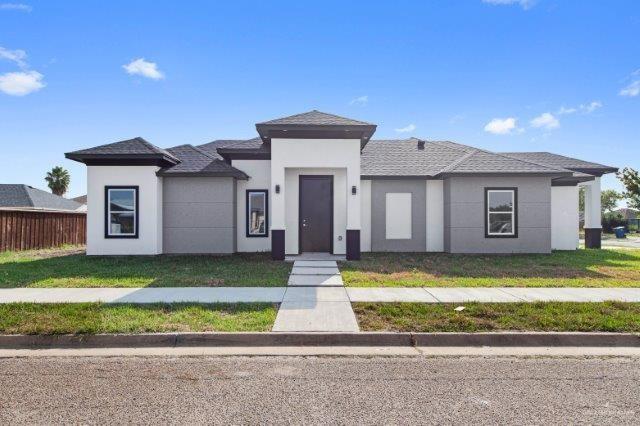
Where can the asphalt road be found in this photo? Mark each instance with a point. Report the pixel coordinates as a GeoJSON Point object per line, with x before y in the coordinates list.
{"type": "Point", "coordinates": [319, 390]}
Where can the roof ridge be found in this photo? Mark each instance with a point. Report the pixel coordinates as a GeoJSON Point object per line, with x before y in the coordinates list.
{"type": "Point", "coordinates": [536, 163]}
{"type": "Point", "coordinates": [203, 152]}
{"type": "Point", "coordinates": [26, 192]}
{"type": "Point", "coordinates": [456, 162]}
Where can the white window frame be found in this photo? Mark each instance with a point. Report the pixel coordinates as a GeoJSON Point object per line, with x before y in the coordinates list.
{"type": "Point", "coordinates": [513, 212]}
{"type": "Point", "coordinates": [108, 212]}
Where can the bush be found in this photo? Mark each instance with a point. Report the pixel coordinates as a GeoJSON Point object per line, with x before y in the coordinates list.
{"type": "Point", "coordinates": [611, 220]}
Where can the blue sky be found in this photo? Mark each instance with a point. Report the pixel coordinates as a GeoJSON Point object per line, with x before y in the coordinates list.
{"type": "Point", "coordinates": [546, 75]}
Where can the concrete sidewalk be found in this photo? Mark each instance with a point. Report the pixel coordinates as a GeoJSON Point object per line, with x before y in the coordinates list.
{"type": "Point", "coordinates": [318, 294]}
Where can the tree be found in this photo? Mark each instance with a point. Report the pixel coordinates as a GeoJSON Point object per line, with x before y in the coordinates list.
{"type": "Point", "coordinates": [608, 199]}
{"type": "Point", "coordinates": [631, 181]}
{"type": "Point", "coordinates": [58, 180]}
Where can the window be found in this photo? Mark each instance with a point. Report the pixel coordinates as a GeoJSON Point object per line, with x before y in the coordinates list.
{"type": "Point", "coordinates": [121, 212]}
{"type": "Point", "coordinates": [501, 212]}
{"type": "Point", "coordinates": [257, 208]}
{"type": "Point", "coordinates": [398, 216]}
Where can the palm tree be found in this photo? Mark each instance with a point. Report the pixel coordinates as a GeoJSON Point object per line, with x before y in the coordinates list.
{"type": "Point", "coordinates": [58, 180]}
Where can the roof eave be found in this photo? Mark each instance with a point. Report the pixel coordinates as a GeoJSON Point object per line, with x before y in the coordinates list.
{"type": "Point", "coordinates": [237, 175]}
{"type": "Point", "coordinates": [160, 160]}
{"type": "Point", "coordinates": [307, 131]}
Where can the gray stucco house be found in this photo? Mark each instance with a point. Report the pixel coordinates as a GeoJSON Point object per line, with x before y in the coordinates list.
{"type": "Point", "coordinates": [317, 182]}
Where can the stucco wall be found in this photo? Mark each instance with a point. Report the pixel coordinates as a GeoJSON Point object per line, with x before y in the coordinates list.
{"type": "Point", "coordinates": [149, 239]}
{"type": "Point", "coordinates": [465, 215]}
{"type": "Point", "coordinates": [564, 218]}
{"type": "Point", "coordinates": [259, 172]}
{"type": "Point", "coordinates": [292, 157]}
{"type": "Point", "coordinates": [435, 216]}
{"type": "Point", "coordinates": [417, 189]}
{"type": "Point", "coordinates": [365, 215]}
{"type": "Point", "coordinates": [199, 215]}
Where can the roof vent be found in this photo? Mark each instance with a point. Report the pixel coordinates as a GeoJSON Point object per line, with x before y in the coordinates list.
{"type": "Point", "coordinates": [420, 144]}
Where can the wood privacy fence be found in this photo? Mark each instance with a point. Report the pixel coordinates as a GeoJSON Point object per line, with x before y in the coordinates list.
{"type": "Point", "coordinates": [33, 229]}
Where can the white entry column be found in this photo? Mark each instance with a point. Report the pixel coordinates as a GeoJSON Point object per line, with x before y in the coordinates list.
{"type": "Point", "coordinates": [592, 214]}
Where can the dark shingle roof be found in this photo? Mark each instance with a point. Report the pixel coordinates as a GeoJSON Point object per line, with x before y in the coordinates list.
{"type": "Point", "coordinates": [212, 147]}
{"type": "Point", "coordinates": [557, 160]}
{"type": "Point", "coordinates": [130, 148]}
{"type": "Point", "coordinates": [197, 162]}
{"type": "Point", "coordinates": [316, 118]}
{"type": "Point", "coordinates": [81, 199]}
{"type": "Point", "coordinates": [406, 158]}
{"type": "Point", "coordinates": [18, 195]}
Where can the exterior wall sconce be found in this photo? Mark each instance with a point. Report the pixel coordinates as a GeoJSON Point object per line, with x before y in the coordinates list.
{"type": "Point", "coordinates": [277, 189]}
{"type": "Point", "coordinates": [354, 190]}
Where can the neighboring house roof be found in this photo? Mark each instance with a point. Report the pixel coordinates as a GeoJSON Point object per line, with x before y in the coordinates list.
{"type": "Point", "coordinates": [628, 212]}
{"type": "Point", "coordinates": [197, 162]}
{"type": "Point", "coordinates": [135, 151]}
{"type": "Point", "coordinates": [569, 163]}
{"type": "Point", "coordinates": [81, 199]}
{"type": "Point", "coordinates": [25, 196]}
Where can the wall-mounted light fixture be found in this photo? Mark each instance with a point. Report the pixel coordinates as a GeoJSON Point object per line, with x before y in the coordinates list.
{"type": "Point", "coordinates": [354, 190]}
{"type": "Point", "coordinates": [277, 189]}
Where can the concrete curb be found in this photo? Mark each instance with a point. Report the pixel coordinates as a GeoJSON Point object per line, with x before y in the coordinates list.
{"type": "Point", "coordinates": [526, 339]}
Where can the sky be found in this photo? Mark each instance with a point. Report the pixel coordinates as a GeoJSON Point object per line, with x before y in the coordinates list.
{"type": "Point", "coordinates": [503, 75]}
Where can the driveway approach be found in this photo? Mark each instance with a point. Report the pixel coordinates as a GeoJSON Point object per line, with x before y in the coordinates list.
{"type": "Point", "coordinates": [317, 390]}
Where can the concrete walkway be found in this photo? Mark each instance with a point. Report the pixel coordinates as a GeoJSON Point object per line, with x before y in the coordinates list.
{"type": "Point", "coordinates": [317, 294]}
{"type": "Point", "coordinates": [315, 300]}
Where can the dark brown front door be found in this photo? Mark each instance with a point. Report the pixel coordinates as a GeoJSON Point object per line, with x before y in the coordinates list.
{"type": "Point", "coordinates": [316, 214]}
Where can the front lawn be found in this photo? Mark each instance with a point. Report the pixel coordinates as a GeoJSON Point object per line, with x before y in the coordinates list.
{"type": "Point", "coordinates": [476, 317]}
{"type": "Point", "coordinates": [581, 268]}
{"type": "Point", "coordinates": [93, 318]}
{"type": "Point", "coordinates": [70, 267]}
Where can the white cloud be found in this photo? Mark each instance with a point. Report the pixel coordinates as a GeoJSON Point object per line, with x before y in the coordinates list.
{"type": "Point", "coordinates": [361, 100]}
{"type": "Point", "coordinates": [590, 107]}
{"type": "Point", "coordinates": [144, 68]}
{"type": "Point", "coordinates": [584, 108]}
{"type": "Point", "coordinates": [406, 129]}
{"type": "Point", "coordinates": [632, 90]}
{"type": "Point", "coordinates": [21, 83]}
{"type": "Point", "coordinates": [16, 56]}
{"type": "Point", "coordinates": [16, 6]}
{"type": "Point", "coordinates": [525, 4]}
{"type": "Point", "coordinates": [545, 121]}
{"type": "Point", "coordinates": [501, 126]}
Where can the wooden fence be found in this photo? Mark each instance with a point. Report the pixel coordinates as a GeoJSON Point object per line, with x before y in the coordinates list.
{"type": "Point", "coordinates": [33, 229]}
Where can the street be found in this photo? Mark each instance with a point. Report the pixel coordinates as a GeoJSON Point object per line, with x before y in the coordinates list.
{"type": "Point", "coordinates": [319, 390]}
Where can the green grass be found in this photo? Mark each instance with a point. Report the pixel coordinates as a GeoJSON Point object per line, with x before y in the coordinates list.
{"type": "Point", "coordinates": [70, 267]}
{"type": "Point", "coordinates": [581, 268]}
{"type": "Point", "coordinates": [476, 317]}
{"type": "Point", "coordinates": [93, 318]}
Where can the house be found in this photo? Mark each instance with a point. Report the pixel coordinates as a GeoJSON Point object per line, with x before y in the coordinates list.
{"type": "Point", "coordinates": [317, 182]}
{"type": "Point", "coordinates": [627, 213]}
{"type": "Point", "coordinates": [25, 197]}
{"type": "Point", "coordinates": [82, 200]}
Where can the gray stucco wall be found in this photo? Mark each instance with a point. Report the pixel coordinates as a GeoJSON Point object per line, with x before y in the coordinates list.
{"type": "Point", "coordinates": [464, 215]}
{"type": "Point", "coordinates": [379, 189]}
{"type": "Point", "coordinates": [199, 215]}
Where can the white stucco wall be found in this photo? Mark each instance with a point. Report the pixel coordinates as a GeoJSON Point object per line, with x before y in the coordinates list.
{"type": "Point", "coordinates": [564, 218]}
{"type": "Point", "coordinates": [293, 157]}
{"type": "Point", "coordinates": [149, 239]}
{"type": "Point", "coordinates": [435, 216]}
{"type": "Point", "coordinates": [259, 172]}
{"type": "Point", "coordinates": [365, 215]}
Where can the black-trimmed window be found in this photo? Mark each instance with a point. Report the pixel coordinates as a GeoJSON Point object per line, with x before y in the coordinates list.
{"type": "Point", "coordinates": [257, 213]}
{"type": "Point", "coordinates": [501, 212]}
{"type": "Point", "coordinates": [121, 211]}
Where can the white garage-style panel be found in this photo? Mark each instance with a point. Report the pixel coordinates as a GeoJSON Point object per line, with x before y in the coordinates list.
{"type": "Point", "coordinates": [398, 216]}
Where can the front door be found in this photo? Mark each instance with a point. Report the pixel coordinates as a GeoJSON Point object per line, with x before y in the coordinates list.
{"type": "Point", "coordinates": [316, 214]}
